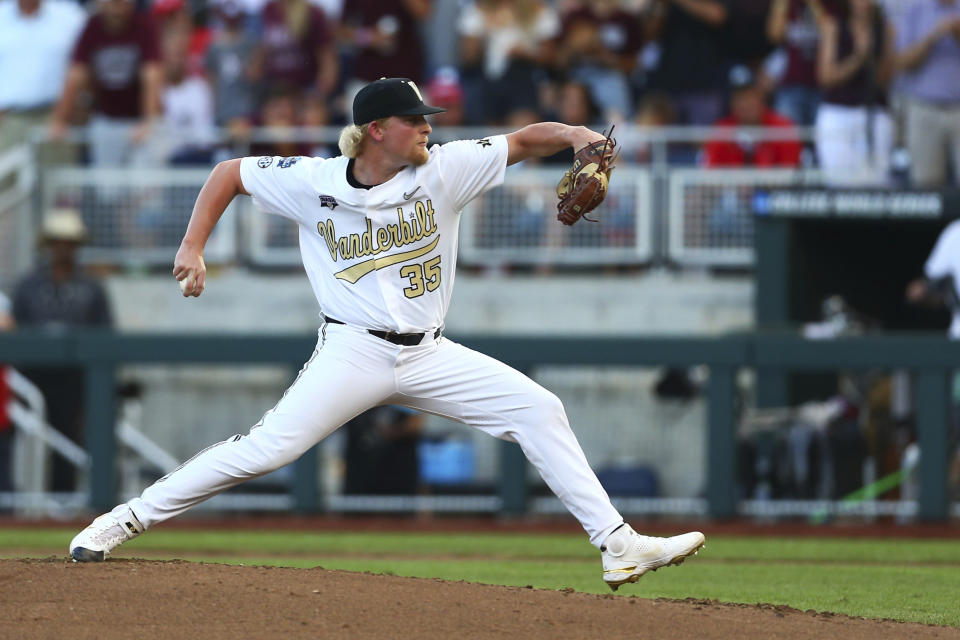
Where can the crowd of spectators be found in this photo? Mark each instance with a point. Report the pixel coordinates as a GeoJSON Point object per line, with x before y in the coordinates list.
{"type": "Point", "coordinates": [155, 79]}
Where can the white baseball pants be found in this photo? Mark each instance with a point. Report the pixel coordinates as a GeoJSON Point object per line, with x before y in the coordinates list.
{"type": "Point", "coordinates": [351, 371]}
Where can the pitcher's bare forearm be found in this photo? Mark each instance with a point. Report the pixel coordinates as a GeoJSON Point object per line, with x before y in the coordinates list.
{"type": "Point", "coordinates": [218, 191]}
{"type": "Point", "coordinates": [545, 139]}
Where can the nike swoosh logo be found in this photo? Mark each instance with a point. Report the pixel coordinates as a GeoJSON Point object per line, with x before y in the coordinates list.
{"type": "Point", "coordinates": [407, 196]}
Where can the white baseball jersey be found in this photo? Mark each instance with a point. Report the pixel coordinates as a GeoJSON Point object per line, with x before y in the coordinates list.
{"type": "Point", "coordinates": [944, 261]}
{"type": "Point", "coordinates": [379, 258]}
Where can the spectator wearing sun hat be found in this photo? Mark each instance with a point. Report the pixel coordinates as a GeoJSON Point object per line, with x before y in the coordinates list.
{"type": "Point", "coordinates": [55, 296]}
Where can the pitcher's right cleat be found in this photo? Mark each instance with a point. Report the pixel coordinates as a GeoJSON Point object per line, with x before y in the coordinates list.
{"type": "Point", "coordinates": [104, 534]}
{"type": "Point", "coordinates": [627, 555]}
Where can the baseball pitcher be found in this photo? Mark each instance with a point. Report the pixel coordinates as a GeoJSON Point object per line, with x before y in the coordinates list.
{"type": "Point", "coordinates": [378, 235]}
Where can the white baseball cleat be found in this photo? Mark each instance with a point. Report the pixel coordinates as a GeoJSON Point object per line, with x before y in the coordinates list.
{"type": "Point", "coordinates": [105, 534]}
{"type": "Point", "coordinates": [627, 555]}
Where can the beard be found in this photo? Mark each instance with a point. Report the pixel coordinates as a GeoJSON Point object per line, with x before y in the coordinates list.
{"type": "Point", "coordinates": [419, 157]}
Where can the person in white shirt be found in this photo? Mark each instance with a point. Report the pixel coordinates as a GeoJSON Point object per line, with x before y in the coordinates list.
{"type": "Point", "coordinates": [189, 131]}
{"type": "Point", "coordinates": [941, 282]}
{"type": "Point", "coordinates": [378, 236]}
{"type": "Point", "coordinates": [940, 286]}
{"type": "Point", "coordinates": [44, 31]}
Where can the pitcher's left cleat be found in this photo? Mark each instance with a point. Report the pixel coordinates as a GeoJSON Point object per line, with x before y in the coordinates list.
{"type": "Point", "coordinates": [627, 555]}
{"type": "Point", "coordinates": [104, 534]}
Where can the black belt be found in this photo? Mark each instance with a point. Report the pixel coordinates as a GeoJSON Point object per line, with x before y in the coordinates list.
{"type": "Point", "coordinates": [403, 339]}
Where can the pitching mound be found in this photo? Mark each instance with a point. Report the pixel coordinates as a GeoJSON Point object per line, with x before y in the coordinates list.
{"type": "Point", "coordinates": [56, 598]}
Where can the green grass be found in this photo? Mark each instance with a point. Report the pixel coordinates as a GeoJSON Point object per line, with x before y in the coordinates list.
{"type": "Point", "coordinates": [910, 580]}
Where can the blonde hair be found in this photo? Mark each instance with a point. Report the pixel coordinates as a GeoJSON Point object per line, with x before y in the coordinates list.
{"type": "Point", "coordinates": [353, 136]}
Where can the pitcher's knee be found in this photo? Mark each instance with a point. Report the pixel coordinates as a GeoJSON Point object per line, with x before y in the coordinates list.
{"type": "Point", "coordinates": [548, 407]}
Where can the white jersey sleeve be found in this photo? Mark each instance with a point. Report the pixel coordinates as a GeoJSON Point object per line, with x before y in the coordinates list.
{"type": "Point", "coordinates": [278, 185]}
{"type": "Point", "coordinates": [944, 260]}
{"type": "Point", "coordinates": [470, 167]}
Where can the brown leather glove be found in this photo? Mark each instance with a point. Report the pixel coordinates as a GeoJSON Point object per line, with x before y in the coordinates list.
{"type": "Point", "coordinates": [584, 185]}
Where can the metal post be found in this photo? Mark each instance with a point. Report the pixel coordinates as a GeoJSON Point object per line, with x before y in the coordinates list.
{"type": "Point", "coordinates": [306, 493]}
{"type": "Point", "coordinates": [721, 452]}
{"type": "Point", "coordinates": [932, 415]}
{"type": "Point", "coordinates": [99, 434]}
{"type": "Point", "coordinates": [660, 168]}
{"type": "Point", "coordinates": [513, 479]}
{"type": "Point", "coordinates": [772, 300]}
{"type": "Point", "coordinates": [513, 475]}
{"type": "Point", "coordinates": [306, 470]}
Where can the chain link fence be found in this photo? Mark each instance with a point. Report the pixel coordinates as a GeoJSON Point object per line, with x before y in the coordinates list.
{"type": "Point", "coordinates": [136, 216]}
{"type": "Point", "coordinates": [711, 212]}
{"type": "Point", "coordinates": [517, 223]}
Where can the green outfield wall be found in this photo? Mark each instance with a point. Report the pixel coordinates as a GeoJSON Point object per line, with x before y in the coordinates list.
{"type": "Point", "coordinates": [930, 357]}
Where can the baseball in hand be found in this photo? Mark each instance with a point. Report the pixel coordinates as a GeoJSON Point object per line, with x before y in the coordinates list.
{"type": "Point", "coordinates": [186, 285]}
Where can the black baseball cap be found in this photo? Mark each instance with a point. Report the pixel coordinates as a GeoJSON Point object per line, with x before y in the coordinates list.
{"type": "Point", "coordinates": [390, 97]}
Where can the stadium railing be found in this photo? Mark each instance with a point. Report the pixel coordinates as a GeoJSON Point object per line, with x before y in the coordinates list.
{"type": "Point", "coordinates": [710, 212]}
{"type": "Point", "coordinates": [137, 216]}
{"type": "Point", "coordinates": [662, 208]}
{"type": "Point", "coordinates": [18, 180]}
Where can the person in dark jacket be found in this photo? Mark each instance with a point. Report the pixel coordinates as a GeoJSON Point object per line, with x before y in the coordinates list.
{"type": "Point", "coordinates": [58, 295]}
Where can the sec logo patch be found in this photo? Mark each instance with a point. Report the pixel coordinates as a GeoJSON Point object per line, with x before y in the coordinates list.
{"type": "Point", "coordinates": [264, 162]}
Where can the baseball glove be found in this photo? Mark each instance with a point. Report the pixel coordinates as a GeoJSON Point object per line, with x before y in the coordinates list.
{"type": "Point", "coordinates": [584, 185]}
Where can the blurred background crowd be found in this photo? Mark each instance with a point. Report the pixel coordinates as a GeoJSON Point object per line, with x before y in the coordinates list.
{"type": "Point", "coordinates": [159, 81]}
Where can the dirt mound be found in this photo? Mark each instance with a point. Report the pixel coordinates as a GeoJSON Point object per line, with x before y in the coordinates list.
{"type": "Point", "coordinates": [141, 599]}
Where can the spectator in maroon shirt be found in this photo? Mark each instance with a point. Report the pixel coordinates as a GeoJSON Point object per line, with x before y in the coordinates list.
{"type": "Point", "coordinates": [297, 47]}
{"type": "Point", "coordinates": [599, 44]}
{"type": "Point", "coordinates": [384, 40]}
{"type": "Point", "coordinates": [748, 108]}
{"type": "Point", "coordinates": [793, 25]}
{"type": "Point", "coordinates": [118, 57]}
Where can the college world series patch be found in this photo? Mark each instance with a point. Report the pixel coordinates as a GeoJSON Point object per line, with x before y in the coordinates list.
{"type": "Point", "coordinates": [328, 201]}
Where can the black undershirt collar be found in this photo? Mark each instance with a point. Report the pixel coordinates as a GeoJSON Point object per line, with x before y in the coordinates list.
{"type": "Point", "coordinates": [352, 181]}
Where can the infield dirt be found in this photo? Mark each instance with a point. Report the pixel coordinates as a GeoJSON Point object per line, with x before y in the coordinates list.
{"type": "Point", "coordinates": [145, 599]}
